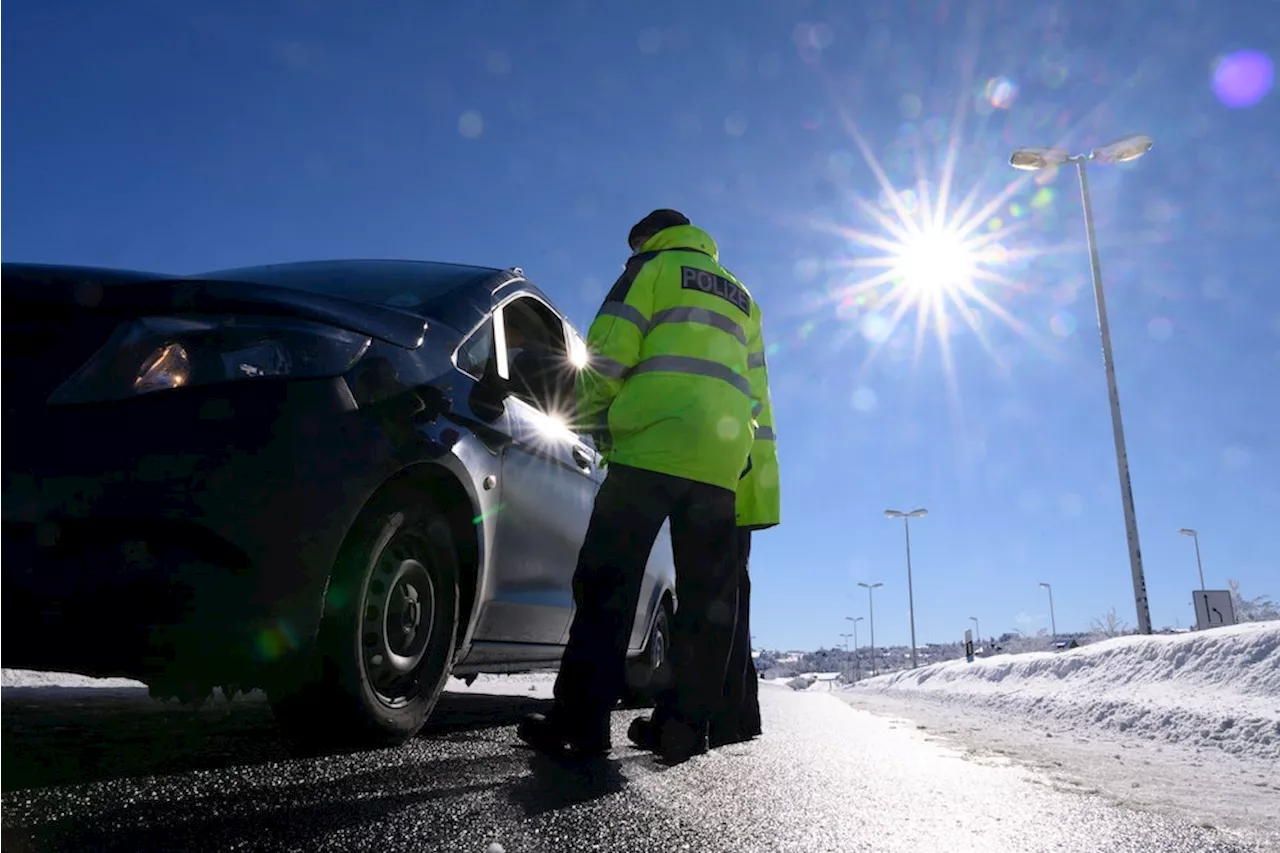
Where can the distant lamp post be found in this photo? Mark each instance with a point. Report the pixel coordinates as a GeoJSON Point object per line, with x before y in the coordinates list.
{"type": "Point", "coordinates": [1053, 622]}
{"type": "Point", "coordinates": [911, 604]}
{"type": "Point", "coordinates": [846, 637]}
{"type": "Point", "coordinates": [857, 664]}
{"type": "Point", "coordinates": [871, 612]}
{"type": "Point", "coordinates": [976, 631]}
{"type": "Point", "coordinates": [1121, 151]}
{"type": "Point", "coordinates": [1195, 537]}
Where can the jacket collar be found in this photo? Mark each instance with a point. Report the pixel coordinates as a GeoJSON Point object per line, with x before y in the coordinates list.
{"type": "Point", "coordinates": [682, 237]}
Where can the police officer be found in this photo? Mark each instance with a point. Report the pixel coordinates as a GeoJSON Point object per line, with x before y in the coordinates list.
{"type": "Point", "coordinates": [758, 508]}
{"type": "Point", "coordinates": [668, 397]}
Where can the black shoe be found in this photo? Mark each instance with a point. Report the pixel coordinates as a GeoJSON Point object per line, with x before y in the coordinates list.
{"type": "Point", "coordinates": [681, 741]}
{"type": "Point", "coordinates": [550, 736]}
{"type": "Point", "coordinates": [726, 737]}
{"type": "Point", "coordinates": [645, 734]}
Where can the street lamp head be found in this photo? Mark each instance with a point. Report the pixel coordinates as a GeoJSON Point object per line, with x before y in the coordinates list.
{"type": "Point", "coordinates": [918, 513]}
{"type": "Point", "coordinates": [1123, 150]}
{"type": "Point", "coordinates": [1187, 531]}
{"type": "Point", "coordinates": [869, 585]}
{"type": "Point", "coordinates": [1045, 585]}
{"type": "Point", "coordinates": [1035, 159]}
{"type": "Point", "coordinates": [894, 513]}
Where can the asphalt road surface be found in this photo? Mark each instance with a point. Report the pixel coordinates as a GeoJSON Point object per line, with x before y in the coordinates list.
{"type": "Point", "coordinates": [112, 770]}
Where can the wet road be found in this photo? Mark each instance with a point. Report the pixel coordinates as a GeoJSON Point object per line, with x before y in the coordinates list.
{"type": "Point", "coordinates": [101, 770]}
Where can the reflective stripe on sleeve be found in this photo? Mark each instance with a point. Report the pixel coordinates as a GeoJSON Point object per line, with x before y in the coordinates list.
{"type": "Point", "coordinates": [623, 311]}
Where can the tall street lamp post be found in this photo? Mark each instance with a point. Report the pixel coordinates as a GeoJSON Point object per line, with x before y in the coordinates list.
{"type": "Point", "coordinates": [1053, 622]}
{"type": "Point", "coordinates": [911, 604]}
{"type": "Point", "coordinates": [1195, 537]}
{"type": "Point", "coordinates": [1121, 151]}
{"type": "Point", "coordinates": [871, 612]}
{"type": "Point", "coordinates": [857, 664]}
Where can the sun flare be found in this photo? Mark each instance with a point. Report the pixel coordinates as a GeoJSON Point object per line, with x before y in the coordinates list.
{"type": "Point", "coordinates": [934, 262]}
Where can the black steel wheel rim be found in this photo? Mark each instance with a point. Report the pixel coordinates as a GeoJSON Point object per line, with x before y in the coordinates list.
{"type": "Point", "coordinates": [398, 619]}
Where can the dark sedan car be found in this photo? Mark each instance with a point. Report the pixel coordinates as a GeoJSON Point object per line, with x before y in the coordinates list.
{"type": "Point", "coordinates": [340, 482]}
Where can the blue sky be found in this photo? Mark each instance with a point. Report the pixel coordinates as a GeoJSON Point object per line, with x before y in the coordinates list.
{"type": "Point", "coordinates": [181, 137]}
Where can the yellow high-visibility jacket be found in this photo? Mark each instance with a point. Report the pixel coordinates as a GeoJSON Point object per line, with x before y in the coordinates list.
{"type": "Point", "coordinates": [668, 385]}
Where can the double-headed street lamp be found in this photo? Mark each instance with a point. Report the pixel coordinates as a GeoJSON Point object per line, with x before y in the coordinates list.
{"type": "Point", "coordinates": [1053, 623]}
{"type": "Point", "coordinates": [911, 604]}
{"type": "Point", "coordinates": [871, 612]}
{"type": "Point", "coordinates": [1121, 151]}
{"type": "Point", "coordinates": [857, 665]}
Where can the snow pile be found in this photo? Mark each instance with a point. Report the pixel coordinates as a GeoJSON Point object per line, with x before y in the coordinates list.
{"type": "Point", "coordinates": [1218, 688]}
{"type": "Point", "coordinates": [64, 680]}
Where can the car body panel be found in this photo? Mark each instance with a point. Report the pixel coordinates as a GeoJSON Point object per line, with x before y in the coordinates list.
{"type": "Point", "coordinates": [326, 446]}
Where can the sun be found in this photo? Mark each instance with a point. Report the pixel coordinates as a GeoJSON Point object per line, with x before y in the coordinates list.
{"type": "Point", "coordinates": [933, 263]}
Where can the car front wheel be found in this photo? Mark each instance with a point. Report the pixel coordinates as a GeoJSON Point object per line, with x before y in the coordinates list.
{"type": "Point", "coordinates": [386, 644]}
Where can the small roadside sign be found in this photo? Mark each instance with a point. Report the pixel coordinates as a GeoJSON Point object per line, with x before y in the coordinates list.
{"type": "Point", "coordinates": [968, 645]}
{"type": "Point", "coordinates": [1213, 608]}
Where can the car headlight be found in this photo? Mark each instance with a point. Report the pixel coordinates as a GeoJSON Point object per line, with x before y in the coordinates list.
{"type": "Point", "coordinates": [151, 354]}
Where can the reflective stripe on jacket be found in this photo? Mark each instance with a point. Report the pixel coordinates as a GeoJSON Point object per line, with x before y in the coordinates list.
{"type": "Point", "coordinates": [667, 386]}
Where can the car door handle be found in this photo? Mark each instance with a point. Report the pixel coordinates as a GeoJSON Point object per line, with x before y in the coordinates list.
{"type": "Point", "coordinates": [583, 457]}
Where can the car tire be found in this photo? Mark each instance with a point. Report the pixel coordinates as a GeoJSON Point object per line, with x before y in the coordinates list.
{"type": "Point", "coordinates": [651, 668]}
{"type": "Point", "coordinates": [386, 642]}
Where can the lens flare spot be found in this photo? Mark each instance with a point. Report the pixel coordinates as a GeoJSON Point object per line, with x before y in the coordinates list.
{"type": "Point", "coordinates": [1243, 78]}
{"type": "Point", "coordinates": [470, 124]}
{"type": "Point", "coordinates": [875, 328]}
{"type": "Point", "coordinates": [1063, 324]}
{"type": "Point", "coordinates": [995, 223]}
{"type": "Point", "coordinates": [1001, 92]}
{"type": "Point", "coordinates": [1236, 457]}
{"type": "Point", "coordinates": [1160, 328]}
{"type": "Point", "coordinates": [1054, 74]}
{"type": "Point", "coordinates": [864, 399]}
{"type": "Point", "coordinates": [735, 123]}
{"type": "Point", "coordinates": [1017, 211]}
{"type": "Point", "coordinates": [1043, 198]}
{"type": "Point", "coordinates": [910, 106]}
{"type": "Point", "coordinates": [807, 268]}
{"type": "Point", "coordinates": [728, 428]}
{"type": "Point", "coordinates": [806, 330]}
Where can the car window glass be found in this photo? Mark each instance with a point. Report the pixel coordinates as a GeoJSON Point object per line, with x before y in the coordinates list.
{"type": "Point", "coordinates": [476, 352]}
{"type": "Point", "coordinates": [541, 373]}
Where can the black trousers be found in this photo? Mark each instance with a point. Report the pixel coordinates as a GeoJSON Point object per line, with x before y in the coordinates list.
{"type": "Point", "coordinates": [740, 713]}
{"type": "Point", "coordinates": [629, 510]}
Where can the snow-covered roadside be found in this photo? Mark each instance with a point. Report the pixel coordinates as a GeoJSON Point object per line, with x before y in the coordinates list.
{"type": "Point", "coordinates": [33, 680]}
{"type": "Point", "coordinates": [1187, 723]}
{"type": "Point", "coordinates": [1217, 688]}
{"type": "Point", "coordinates": [535, 685]}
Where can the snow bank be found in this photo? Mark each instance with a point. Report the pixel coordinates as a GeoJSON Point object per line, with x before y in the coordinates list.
{"type": "Point", "coordinates": [1218, 688]}
{"type": "Point", "coordinates": [32, 678]}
